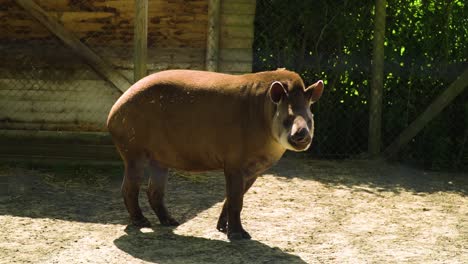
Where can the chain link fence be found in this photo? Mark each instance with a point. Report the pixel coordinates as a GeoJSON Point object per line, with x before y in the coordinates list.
{"type": "Point", "coordinates": [44, 85]}
{"type": "Point", "coordinates": [52, 98]}
{"type": "Point", "coordinates": [425, 50]}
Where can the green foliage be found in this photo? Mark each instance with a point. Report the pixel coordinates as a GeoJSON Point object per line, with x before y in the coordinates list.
{"type": "Point", "coordinates": [425, 50]}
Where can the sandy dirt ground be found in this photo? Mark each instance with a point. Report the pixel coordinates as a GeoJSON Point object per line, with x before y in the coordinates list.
{"type": "Point", "coordinates": [300, 211]}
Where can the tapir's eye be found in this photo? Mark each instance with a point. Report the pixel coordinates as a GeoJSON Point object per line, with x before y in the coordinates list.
{"type": "Point", "coordinates": [288, 122]}
{"type": "Point", "coordinates": [309, 123]}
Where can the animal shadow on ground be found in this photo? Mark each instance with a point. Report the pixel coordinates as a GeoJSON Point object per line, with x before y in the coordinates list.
{"type": "Point", "coordinates": [92, 194]}
{"type": "Point", "coordinates": [162, 245]}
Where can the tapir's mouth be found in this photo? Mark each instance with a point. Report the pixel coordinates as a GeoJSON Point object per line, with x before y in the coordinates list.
{"type": "Point", "coordinates": [300, 145]}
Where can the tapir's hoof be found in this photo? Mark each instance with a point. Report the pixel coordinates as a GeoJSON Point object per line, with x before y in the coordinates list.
{"type": "Point", "coordinates": [169, 222]}
{"type": "Point", "coordinates": [222, 227]}
{"type": "Point", "coordinates": [141, 222]}
{"type": "Point", "coordinates": [239, 235]}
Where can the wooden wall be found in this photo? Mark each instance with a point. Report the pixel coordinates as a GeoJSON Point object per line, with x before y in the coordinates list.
{"type": "Point", "coordinates": [44, 85]}
{"type": "Point", "coordinates": [237, 34]}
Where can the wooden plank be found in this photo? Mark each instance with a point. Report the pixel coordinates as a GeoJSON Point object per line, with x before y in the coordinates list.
{"type": "Point", "coordinates": [84, 86]}
{"type": "Point", "coordinates": [235, 43]}
{"type": "Point", "coordinates": [239, 55]}
{"type": "Point", "coordinates": [234, 7]}
{"type": "Point", "coordinates": [55, 58]}
{"type": "Point", "coordinates": [82, 16]}
{"type": "Point", "coordinates": [234, 66]}
{"type": "Point", "coordinates": [77, 115]}
{"type": "Point", "coordinates": [43, 100]}
{"type": "Point", "coordinates": [82, 50]}
{"type": "Point", "coordinates": [237, 20]}
{"type": "Point", "coordinates": [140, 39]}
{"type": "Point", "coordinates": [237, 73]}
{"type": "Point", "coordinates": [17, 75]}
{"type": "Point", "coordinates": [168, 7]}
{"type": "Point", "coordinates": [375, 107]}
{"type": "Point", "coordinates": [53, 126]}
{"type": "Point", "coordinates": [237, 32]}
{"type": "Point", "coordinates": [56, 137]}
{"type": "Point", "coordinates": [431, 111]}
{"type": "Point", "coordinates": [70, 151]}
{"type": "Point", "coordinates": [167, 66]}
{"type": "Point", "coordinates": [58, 122]}
{"type": "Point", "coordinates": [212, 40]}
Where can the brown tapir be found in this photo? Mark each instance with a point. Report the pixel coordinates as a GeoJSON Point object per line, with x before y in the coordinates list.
{"type": "Point", "coordinates": [200, 121]}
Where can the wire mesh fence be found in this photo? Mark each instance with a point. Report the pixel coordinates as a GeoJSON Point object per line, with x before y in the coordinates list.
{"type": "Point", "coordinates": [332, 40]}
{"type": "Point", "coordinates": [47, 85]}
{"type": "Point", "coordinates": [44, 85]}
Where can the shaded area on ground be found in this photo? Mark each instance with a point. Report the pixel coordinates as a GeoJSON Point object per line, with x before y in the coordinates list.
{"type": "Point", "coordinates": [56, 192]}
{"type": "Point", "coordinates": [301, 210]}
{"type": "Point", "coordinates": [162, 245]}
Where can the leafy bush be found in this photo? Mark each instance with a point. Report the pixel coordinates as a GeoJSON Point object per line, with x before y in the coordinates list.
{"type": "Point", "coordinates": [425, 50]}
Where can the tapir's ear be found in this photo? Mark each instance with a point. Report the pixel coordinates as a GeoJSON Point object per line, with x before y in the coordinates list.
{"type": "Point", "coordinates": [314, 92]}
{"type": "Point", "coordinates": [277, 92]}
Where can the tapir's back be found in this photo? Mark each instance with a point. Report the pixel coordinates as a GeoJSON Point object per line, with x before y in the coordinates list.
{"type": "Point", "coordinates": [185, 119]}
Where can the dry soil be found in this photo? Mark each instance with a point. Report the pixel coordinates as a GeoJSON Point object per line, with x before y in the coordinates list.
{"type": "Point", "coordinates": [300, 211]}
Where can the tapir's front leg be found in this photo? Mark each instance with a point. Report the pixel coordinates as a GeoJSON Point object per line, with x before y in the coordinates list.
{"type": "Point", "coordinates": [235, 184]}
{"type": "Point", "coordinates": [223, 217]}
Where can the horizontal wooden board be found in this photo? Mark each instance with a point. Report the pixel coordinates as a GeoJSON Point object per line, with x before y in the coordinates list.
{"type": "Point", "coordinates": [38, 85]}
{"type": "Point", "coordinates": [54, 104]}
{"type": "Point", "coordinates": [237, 32]}
{"type": "Point", "coordinates": [164, 6]}
{"type": "Point", "coordinates": [54, 101]}
{"type": "Point", "coordinates": [37, 60]}
{"type": "Point", "coordinates": [60, 151]}
{"type": "Point", "coordinates": [54, 126]}
{"type": "Point", "coordinates": [235, 43]}
{"type": "Point", "coordinates": [252, 2]}
{"type": "Point", "coordinates": [235, 66]}
{"type": "Point", "coordinates": [179, 24]}
{"type": "Point", "coordinates": [86, 120]}
{"type": "Point", "coordinates": [236, 73]}
{"type": "Point", "coordinates": [82, 16]}
{"type": "Point", "coordinates": [16, 74]}
{"type": "Point", "coordinates": [237, 20]}
{"type": "Point", "coordinates": [239, 55]}
{"type": "Point", "coordinates": [233, 7]}
{"type": "Point", "coordinates": [55, 137]}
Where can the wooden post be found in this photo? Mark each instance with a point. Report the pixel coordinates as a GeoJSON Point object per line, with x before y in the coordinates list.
{"type": "Point", "coordinates": [91, 58]}
{"type": "Point", "coordinates": [140, 40]}
{"type": "Point", "coordinates": [431, 111]}
{"type": "Point", "coordinates": [212, 41]}
{"type": "Point", "coordinates": [375, 110]}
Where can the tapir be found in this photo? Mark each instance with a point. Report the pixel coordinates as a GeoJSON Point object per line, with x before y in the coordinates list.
{"type": "Point", "coordinates": [201, 121]}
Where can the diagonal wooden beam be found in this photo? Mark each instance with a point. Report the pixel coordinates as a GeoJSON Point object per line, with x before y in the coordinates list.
{"type": "Point", "coordinates": [431, 111]}
{"type": "Point", "coordinates": [91, 58]}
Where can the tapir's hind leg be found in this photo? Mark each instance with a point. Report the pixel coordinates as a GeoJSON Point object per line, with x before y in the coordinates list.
{"type": "Point", "coordinates": [134, 170]}
{"type": "Point", "coordinates": [156, 190]}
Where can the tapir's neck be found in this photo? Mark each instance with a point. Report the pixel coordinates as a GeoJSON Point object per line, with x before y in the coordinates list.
{"type": "Point", "coordinates": [259, 112]}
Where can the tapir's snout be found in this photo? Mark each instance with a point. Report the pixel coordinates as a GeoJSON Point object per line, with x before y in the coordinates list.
{"type": "Point", "coordinates": [300, 137]}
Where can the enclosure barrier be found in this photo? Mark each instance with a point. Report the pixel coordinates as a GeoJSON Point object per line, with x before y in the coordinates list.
{"type": "Point", "coordinates": [64, 64]}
